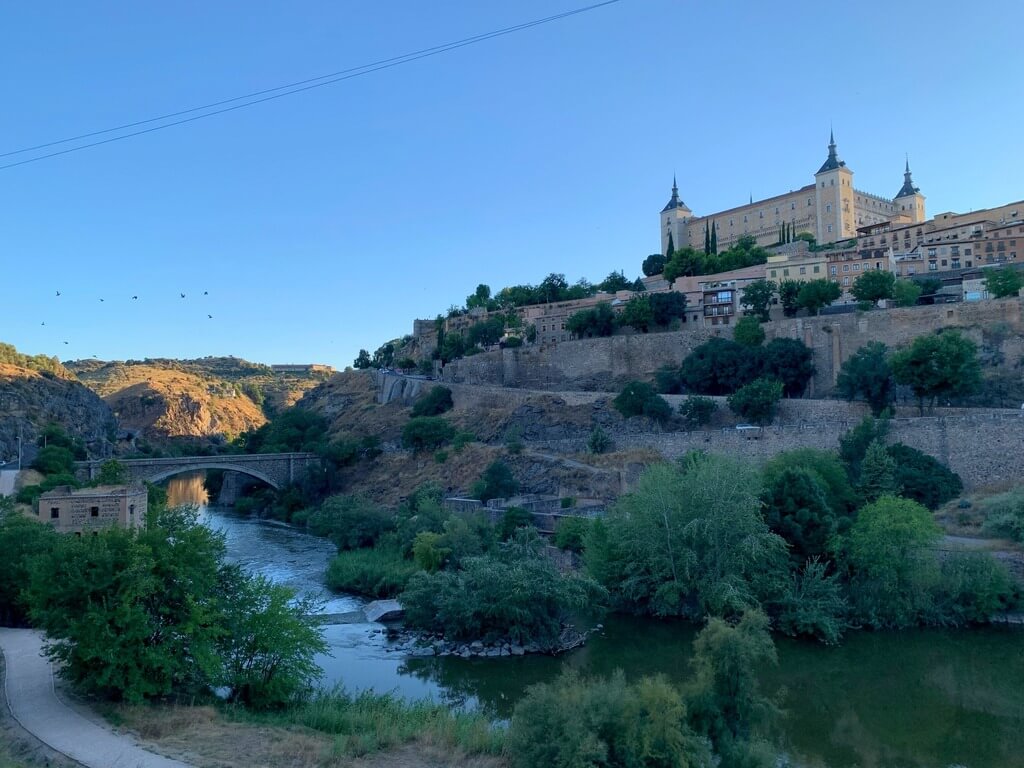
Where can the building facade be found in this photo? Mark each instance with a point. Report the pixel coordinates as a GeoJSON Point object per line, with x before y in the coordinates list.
{"type": "Point", "coordinates": [831, 209]}
{"type": "Point", "coordinates": [83, 510]}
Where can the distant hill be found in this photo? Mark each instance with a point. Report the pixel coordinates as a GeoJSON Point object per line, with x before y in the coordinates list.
{"type": "Point", "coordinates": [161, 398]}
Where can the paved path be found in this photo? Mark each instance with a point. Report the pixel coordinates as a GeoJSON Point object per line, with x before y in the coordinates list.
{"type": "Point", "coordinates": [61, 726]}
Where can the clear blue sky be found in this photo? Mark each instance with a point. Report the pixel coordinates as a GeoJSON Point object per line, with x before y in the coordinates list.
{"type": "Point", "coordinates": [327, 221]}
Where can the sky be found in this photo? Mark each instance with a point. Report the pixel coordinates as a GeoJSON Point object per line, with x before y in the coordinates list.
{"type": "Point", "coordinates": [318, 224]}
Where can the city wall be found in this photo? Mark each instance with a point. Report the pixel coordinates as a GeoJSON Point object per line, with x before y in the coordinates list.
{"type": "Point", "coordinates": [997, 327]}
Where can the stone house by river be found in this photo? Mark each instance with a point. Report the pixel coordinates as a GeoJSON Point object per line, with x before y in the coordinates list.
{"type": "Point", "coordinates": [81, 510]}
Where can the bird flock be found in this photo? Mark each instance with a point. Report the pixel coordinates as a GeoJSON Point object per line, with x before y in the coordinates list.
{"type": "Point", "coordinates": [103, 300]}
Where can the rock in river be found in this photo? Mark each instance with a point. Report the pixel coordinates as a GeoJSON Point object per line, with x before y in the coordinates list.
{"type": "Point", "coordinates": [384, 611]}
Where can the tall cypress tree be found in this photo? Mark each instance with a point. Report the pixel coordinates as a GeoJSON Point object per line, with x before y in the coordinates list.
{"type": "Point", "coordinates": [671, 247]}
{"type": "Point", "coordinates": [707, 239]}
{"type": "Point", "coordinates": [714, 240]}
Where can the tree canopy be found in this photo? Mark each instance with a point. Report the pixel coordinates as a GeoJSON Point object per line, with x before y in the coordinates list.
{"type": "Point", "coordinates": [867, 375]}
{"type": "Point", "coordinates": [938, 365]}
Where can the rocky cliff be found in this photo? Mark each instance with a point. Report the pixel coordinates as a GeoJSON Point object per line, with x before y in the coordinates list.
{"type": "Point", "coordinates": [31, 399]}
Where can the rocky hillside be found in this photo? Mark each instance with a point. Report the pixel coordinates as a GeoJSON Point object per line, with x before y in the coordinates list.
{"type": "Point", "coordinates": [30, 399]}
{"type": "Point", "coordinates": [208, 397]}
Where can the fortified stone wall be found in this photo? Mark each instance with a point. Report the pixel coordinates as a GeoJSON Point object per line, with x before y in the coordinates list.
{"type": "Point", "coordinates": [997, 327]}
{"type": "Point", "coordinates": [984, 449]}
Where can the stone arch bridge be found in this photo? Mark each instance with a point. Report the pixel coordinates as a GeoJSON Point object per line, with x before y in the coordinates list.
{"type": "Point", "coordinates": [275, 469]}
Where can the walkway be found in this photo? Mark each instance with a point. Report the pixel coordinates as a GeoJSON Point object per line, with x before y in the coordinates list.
{"type": "Point", "coordinates": [61, 726]}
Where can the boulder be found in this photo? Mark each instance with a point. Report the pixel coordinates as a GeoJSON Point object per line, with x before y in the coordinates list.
{"type": "Point", "coordinates": [384, 611]}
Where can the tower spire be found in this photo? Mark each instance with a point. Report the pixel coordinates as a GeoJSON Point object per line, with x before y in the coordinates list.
{"type": "Point", "coordinates": [674, 201]}
{"type": "Point", "coordinates": [908, 187]}
{"type": "Point", "coordinates": [833, 160]}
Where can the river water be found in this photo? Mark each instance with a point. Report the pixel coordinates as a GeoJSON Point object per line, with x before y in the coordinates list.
{"type": "Point", "coordinates": [921, 699]}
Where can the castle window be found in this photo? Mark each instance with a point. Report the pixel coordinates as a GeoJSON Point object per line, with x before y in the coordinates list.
{"type": "Point", "coordinates": [785, 273]}
{"type": "Point", "coordinates": [730, 222]}
{"type": "Point", "coordinates": [54, 513]}
{"type": "Point", "coordinates": [817, 269]}
{"type": "Point", "coordinates": [760, 214]}
{"type": "Point", "coordinates": [831, 182]}
{"type": "Point", "coordinates": [792, 206]}
{"type": "Point", "coordinates": [828, 207]}
{"type": "Point", "coordinates": [744, 218]}
{"type": "Point", "coordinates": [846, 281]}
{"type": "Point", "coordinates": [846, 267]}
{"type": "Point", "coordinates": [829, 227]}
{"type": "Point", "coordinates": [809, 203]}
{"type": "Point", "coordinates": [94, 511]}
{"type": "Point", "coordinates": [803, 270]}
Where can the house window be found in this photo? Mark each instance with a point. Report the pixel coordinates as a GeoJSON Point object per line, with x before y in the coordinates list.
{"type": "Point", "coordinates": [846, 267]}
{"type": "Point", "coordinates": [131, 510]}
{"type": "Point", "coordinates": [792, 206]}
{"type": "Point", "coordinates": [94, 511]}
{"type": "Point", "coordinates": [785, 273]}
{"type": "Point", "coordinates": [54, 513]}
{"type": "Point", "coordinates": [943, 262]}
{"type": "Point", "coordinates": [817, 269]}
{"type": "Point", "coordinates": [932, 266]}
{"type": "Point", "coordinates": [809, 203]}
{"type": "Point", "coordinates": [846, 281]}
{"type": "Point", "coordinates": [730, 222]}
{"type": "Point", "coordinates": [856, 267]}
{"type": "Point", "coordinates": [774, 273]}
{"type": "Point", "coordinates": [744, 218]}
{"type": "Point", "coordinates": [803, 270]}
{"type": "Point", "coordinates": [834, 270]}
{"type": "Point", "coordinates": [829, 227]}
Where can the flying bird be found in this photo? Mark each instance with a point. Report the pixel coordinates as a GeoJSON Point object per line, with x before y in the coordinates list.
{"type": "Point", "coordinates": [101, 299]}
{"type": "Point", "coordinates": [134, 297]}
{"type": "Point", "coordinates": [58, 293]}
{"type": "Point", "coordinates": [183, 295]}
{"type": "Point", "coordinates": [206, 293]}
{"type": "Point", "coordinates": [65, 342]}
{"type": "Point", "coordinates": [210, 316]}
{"type": "Point", "coordinates": [43, 323]}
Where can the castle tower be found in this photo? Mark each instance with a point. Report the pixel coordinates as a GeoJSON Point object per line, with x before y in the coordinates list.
{"type": "Point", "coordinates": [909, 199]}
{"type": "Point", "coordinates": [833, 190]}
{"type": "Point", "coordinates": [675, 217]}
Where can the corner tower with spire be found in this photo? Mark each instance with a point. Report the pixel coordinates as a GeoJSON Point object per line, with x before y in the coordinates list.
{"type": "Point", "coordinates": [909, 200]}
{"type": "Point", "coordinates": [675, 218]}
{"type": "Point", "coordinates": [834, 197]}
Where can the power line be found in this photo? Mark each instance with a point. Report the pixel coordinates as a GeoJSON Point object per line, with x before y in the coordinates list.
{"type": "Point", "coordinates": [281, 91]}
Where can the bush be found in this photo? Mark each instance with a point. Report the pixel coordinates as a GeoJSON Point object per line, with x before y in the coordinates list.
{"type": "Point", "coordinates": [639, 399]}
{"type": "Point", "coordinates": [517, 595]}
{"type": "Point", "coordinates": [571, 533]}
{"type": "Point", "coordinates": [578, 723]}
{"type": "Point", "coordinates": [697, 411]}
{"type": "Point", "coordinates": [748, 332]}
{"type": "Point", "coordinates": [757, 401]}
{"type": "Point", "coordinates": [380, 572]}
{"type": "Point", "coordinates": [599, 441]}
{"type": "Point", "coordinates": [1004, 514]}
{"type": "Point", "coordinates": [55, 460]}
{"type": "Point", "coordinates": [351, 522]}
{"type": "Point", "coordinates": [796, 508]}
{"type": "Point", "coordinates": [813, 604]}
{"type": "Point", "coordinates": [497, 482]}
{"type": "Point", "coordinates": [922, 478]}
{"type": "Point", "coordinates": [437, 401]}
{"type": "Point", "coordinates": [426, 432]}
{"type": "Point", "coordinates": [719, 367]}
{"type": "Point", "coordinates": [789, 361]}
{"type": "Point", "coordinates": [512, 520]}
{"type": "Point", "coordinates": [441, 457]}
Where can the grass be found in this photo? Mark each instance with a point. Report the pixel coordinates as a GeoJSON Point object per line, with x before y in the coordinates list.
{"type": "Point", "coordinates": [377, 572]}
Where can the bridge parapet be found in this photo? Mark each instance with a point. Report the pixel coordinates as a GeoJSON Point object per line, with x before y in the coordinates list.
{"type": "Point", "coordinates": [275, 469]}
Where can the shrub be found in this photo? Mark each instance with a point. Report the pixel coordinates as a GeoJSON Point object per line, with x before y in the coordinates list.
{"type": "Point", "coordinates": [55, 460]}
{"type": "Point", "coordinates": [437, 401]}
{"type": "Point", "coordinates": [813, 604]}
{"type": "Point", "coordinates": [571, 533]}
{"type": "Point", "coordinates": [578, 723]}
{"type": "Point", "coordinates": [1004, 514]}
{"type": "Point", "coordinates": [748, 332]}
{"type": "Point", "coordinates": [427, 432]}
{"type": "Point", "coordinates": [719, 367]}
{"type": "Point", "coordinates": [922, 478]}
{"type": "Point", "coordinates": [796, 508]}
{"type": "Point", "coordinates": [789, 361]}
{"type": "Point", "coordinates": [351, 522]}
{"type": "Point", "coordinates": [379, 572]}
{"type": "Point", "coordinates": [757, 401]}
{"type": "Point", "coordinates": [497, 482]}
{"type": "Point", "coordinates": [639, 399]}
{"type": "Point", "coordinates": [599, 441]}
{"type": "Point", "coordinates": [441, 457]}
{"type": "Point", "coordinates": [697, 411]}
{"type": "Point", "coordinates": [512, 520]}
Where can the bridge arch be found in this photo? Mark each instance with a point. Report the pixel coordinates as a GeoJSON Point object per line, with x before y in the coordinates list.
{"type": "Point", "coordinates": [165, 473]}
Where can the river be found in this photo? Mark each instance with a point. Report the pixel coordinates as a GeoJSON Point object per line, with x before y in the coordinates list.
{"type": "Point", "coordinates": [921, 699]}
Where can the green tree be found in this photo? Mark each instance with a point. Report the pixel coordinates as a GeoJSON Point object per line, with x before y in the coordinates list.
{"type": "Point", "coordinates": [689, 540]}
{"type": "Point", "coordinates": [599, 441]}
{"type": "Point", "coordinates": [697, 411]}
{"type": "Point", "coordinates": [497, 482]}
{"type": "Point", "coordinates": [351, 521]}
{"type": "Point", "coordinates": [797, 509]}
{"type": "Point", "coordinates": [571, 533]}
{"type": "Point", "coordinates": [707, 238]}
{"type": "Point", "coordinates": [435, 402]}
{"type": "Point", "coordinates": [893, 568]}
{"type": "Point", "coordinates": [757, 401]}
{"type": "Point", "coordinates": [922, 478]}
{"type": "Point", "coordinates": [867, 375]}
{"type": "Point", "coordinates": [486, 332]}
{"type": "Point", "coordinates": [906, 293]}
{"type": "Point", "coordinates": [427, 432]}
{"type": "Point", "coordinates": [938, 365]}
{"type": "Point", "coordinates": [877, 473]}
{"type": "Point", "coordinates": [724, 700]}
{"type": "Point", "coordinates": [637, 314]}
{"type": "Point", "coordinates": [873, 285]}
{"type": "Point", "coordinates": [21, 540]}
{"type": "Point", "coordinates": [789, 294]}
{"type": "Point", "coordinates": [816, 294]}
{"type": "Point", "coordinates": [112, 472]}
{"type": "Point", "coordinates": [653, 265]}
{"type": "Point", "coordinates": [789, 361]}
{"type": "Point", "coordinates": [714, 239]}
{"type": "Point", "coordinates": [479, 298]}
{"type": "Point", "coordinates": [54, 460]}
{"type": "Point", "coordinates": [719, 367]}
{"type": "Point", "coordinates": [595, 322]}
{"type": "Point", "coordinates": [1003, 282]}
{"type": "Point", "coordinates": [757, 298]}
{"type": "Point", "coordinates": [667, 307]}
{"type": "Point", "coordinates": [827, 469]}
{"type": "Point", "coordinates": [748, 332]}
{"type": "Point", "coordinates": [813, 604]}
{"type": "Point", "coordinates": [854, 444]}
{"type": "Point", "coordinates": [616, 281]}
{"type": "Point", "coordinates": [512, 520]}
{"type": "Point", "coordinates": [639, 399]}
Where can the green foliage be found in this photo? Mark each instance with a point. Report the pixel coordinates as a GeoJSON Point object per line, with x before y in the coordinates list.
{"type": "Point", "coordinates": [380, 572]}
{"type": "Point", "coordinates": [571, 533]}
{"type": "Point", "coordinates": [479, 298]}
{"type": "Point", "coordinates": [639, 399]}
{"type": "Point", "coordinates": [616, 281]}
{"type": "Point", "coordinates": [21, 540]}
{"type": "Point", "coordinates": [574, 722]}
{"type": "Point", "coordinates": [350, 521]}
{"type": "Point", "coordinates": [55, 460]}
{"type": "Point", "coordinates": [427, 432]}
{"type": "Point", "coordinates": [112, 472]}
{"type": "Point", "coordinates": [748, 332]}
{"type": "Point", "coordinates": [757, 401]}
{"type": "Point", "coordinates": [599, 441]}
{"type": "Point", "coordinates": [854, 444]}
{"type": "Point", "coordinates": [789, 361]}
{"type": "Point", "coordinates": [428, 553]}
{"type": "Point", "coordinates": [922, 478]}
{"type": "Point", "coordinates": [826, 468]}
{"type": "Point", "coordinates": [789, 295]}
{"type": "Point", "coordinates": [514, 440]}
{"type": "Point", "coordinates": [497, 482]}
{"type": "Point", "coordinates": [697, 411]}
{"type": "Point", "coordinates": [873, 285]}
{"type": "Point", "coordinates": [589, 323]}
{"type": "Point", "coordinates": [688, 541]}
{"type": "Point", "coordinates": [1004, 514]}
{"type": "Point", "coordinates": [1003, 282]}
{"type": "Point", "coordinates": [813, 604]}
{"type": "Point", "coordinates": [938, 365]}
{"type": "Point", "coordinates": [719, 367]}
{"type": "Point", "coordinates": [973, 587]}
{"type": "Point", "coordinates": [724, 700]}
{"type": "Point", "coordinates": [877, 473]}
{"type": "Point", "coordinates": [512, 520]}
{"type": "Point", "coordinates": [10, 355]}
{"type": "Point", "coordinates": [435, 402]}
{"type": "Point", "coordinates": [55, 435]}
{"type": "Point", "coordinates": [486, 332]}
{"type": "Point", "coordinates": [893, 567]}
{"type": "Point", "coordinates": [637, 314]}
{"type": "Point", "coordinates": [797, 509]}
{"type": "Point", "coordinates": [905, 293]}
{"type": "Point", "coordinates": [653, 265]}
{"type": "Point", "coordinates": [516, 595]}
{"type": "Point", "coordinates": [867, 376]}
{"type": "Point", "coordinates": [816, 294]}
{"type": "Point", "coordinates": [30, 493]}
{"type": "Point", "coordinates": [667, 307]}
{"type": "Point", "coordinates": [745, 252]}
{"type": "Point", "coordinates": [296, 429]}
{"type": "Point", "coordinates": [757, 298]}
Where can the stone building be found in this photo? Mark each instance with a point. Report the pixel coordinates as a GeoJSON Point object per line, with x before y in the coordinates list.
{"type": "Point", "coordinates": [80, 510]}
{"type": "Point", "coordinates": [831, 209]}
